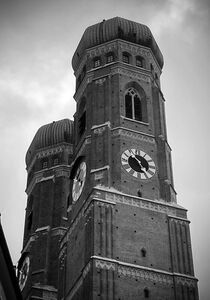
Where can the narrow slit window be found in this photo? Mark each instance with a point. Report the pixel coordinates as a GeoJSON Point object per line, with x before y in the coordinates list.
{"type": "Point", "coordinates": [30, 221]}
{"type": "Point", "coordinates": [82, 123]}
{"type": "Point", "coordinates": [146, 293]}
{"type": "Point", "coordinates": [128, 106]}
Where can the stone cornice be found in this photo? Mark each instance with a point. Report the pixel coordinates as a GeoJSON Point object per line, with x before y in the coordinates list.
{"type": "Point", "coordinates": [117, 67]}
{"type": "Point", "coordinates": [113, 195]}
{"type": "Point", "coordinates": [42, 230]}
{"type": "Point", "coordinates": [122, 45]}
{"type": "Point", "coordinates": [136, 272]}
{"type": "Point", "coordinates": [108, 196]}
{"type": "Point", "coordinates": [140, 272]}
{"type": "Point", "coordinates": [50, 151]}
{"type": "Point", "coordinates": [57, 171]}
{"type": "Point", "coordinates": [133, 134]}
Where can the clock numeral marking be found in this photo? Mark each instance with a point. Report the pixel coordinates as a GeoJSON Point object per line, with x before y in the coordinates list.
{"type": "Point", "coordinates": [127, 153]}
{"type": "Point", "coordinates": [124, 158]}
{"type": "Point", "coordinates": [135, 174]}
{"type": "Point", "coordinates": [142, 153]}
{"type": "Point", "coordinates": [128, 169]}
{"type": "Point", "coordinates": [143, 176]}
{"type": "Point", "coordinates": [152, 167]}
{"type": "Point", "coordinates": [147, 157]}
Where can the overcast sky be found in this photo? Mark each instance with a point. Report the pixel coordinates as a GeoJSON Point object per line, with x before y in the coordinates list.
{"type": "Point", "coordinates": [37, 41]}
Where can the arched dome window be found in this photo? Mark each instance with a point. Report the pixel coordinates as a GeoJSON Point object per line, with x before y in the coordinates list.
{"type": "Point", "coordinates": [126, 57]}
{"type": "Point", "coordinates": [109, 57]}
{"type": "Point", "coordinates": [140, 62]}
{"type": "Point", "coordinates": [133, 106]}
{"type": "Point", "coordinates": [97, 62]}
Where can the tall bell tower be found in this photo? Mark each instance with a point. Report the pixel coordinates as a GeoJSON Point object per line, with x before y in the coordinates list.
{"type": "Point", "coordinates": [127, 236]}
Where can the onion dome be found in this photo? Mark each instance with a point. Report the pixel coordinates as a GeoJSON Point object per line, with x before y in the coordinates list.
{"type": "Point", "coordinates": [117, 28]}
{"type": "Point", "coordinates": [50, 135]}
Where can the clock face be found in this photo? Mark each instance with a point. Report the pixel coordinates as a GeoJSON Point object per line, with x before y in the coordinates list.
{"type": "Point", "coordinates": [138, 163]}
{"type": "Point", "coordinates": [23, 275]}
{"type": "Point", "coordinates": [79, 181]}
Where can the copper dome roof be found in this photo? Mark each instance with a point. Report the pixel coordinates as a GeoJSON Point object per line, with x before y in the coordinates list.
{"type": "Point", "coordinates": [49, 135]}
{"type": "Point", "coordinates": [117, 28]}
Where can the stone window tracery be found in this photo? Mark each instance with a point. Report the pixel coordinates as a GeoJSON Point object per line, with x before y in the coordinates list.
{"type": "Point", "coordinates": [133, 106]}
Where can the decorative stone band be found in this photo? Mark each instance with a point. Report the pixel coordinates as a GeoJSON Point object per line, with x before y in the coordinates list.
{"type": "Point", "coordinates": [51, 151]}
{"type": "Point", "coordinates": [99, 129]}
{"type": "Point", "coordinates": [49, 292]}
{"type": "Point", "coordinates": [60, 231]}
{"type": "Point", "coordinates": [99, 173]}
{"type": "Point", "coordinates": [58, 171]}
{"type": "Point", "coordinates": [110, 194]}
{"type": "Point", "coordinates": [131, 73]}
{"type": "Point", "coordinates": [133, 134]}
{"type": "Point", "coordinates": [133, 271]}
{"type": "Point", "coordinates": [140, 272]}
{"type": "Point", "coordinates": [123, 46]}
{"type": "Point", "coordinates": [178, 220]}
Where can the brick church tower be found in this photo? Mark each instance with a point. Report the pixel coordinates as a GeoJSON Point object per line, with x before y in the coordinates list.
{"type": "Point", "coordinates": [102, 220]}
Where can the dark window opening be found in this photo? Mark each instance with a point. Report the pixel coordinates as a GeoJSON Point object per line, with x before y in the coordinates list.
{"type": "Point", "coordinates": [68, 201]}
{"type": "Point", "coordinates": [140, 62]}
{"type": "Point", "coordinates": [146, 293]}
{"type": "Point", "coordinates": [133, 109]}
{"type": "Point", "coordinates": [128, 106]}
{"type": "Point", "coordinates": [82, 123]}
{"type": "Point", "coordinates": [97, 62]}
{"type": "Point", "coordinates": [137, 108]}
{"type": "Point", "coordinates": [143, 252]}
{"type": "Point", "coordinates": [30, 220]}
{"type": "Point", "coordinates": [109, 58]}
{"type": "Point", "coordinates": [126, 58]}
{"type": "Point", "coordinates": [55, 161]}
{"type": "Point", "coordinates": [44, 164]}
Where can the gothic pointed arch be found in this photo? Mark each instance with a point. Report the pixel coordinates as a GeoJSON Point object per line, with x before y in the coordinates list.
{"type": "Point", "coordinates": [135, 102]}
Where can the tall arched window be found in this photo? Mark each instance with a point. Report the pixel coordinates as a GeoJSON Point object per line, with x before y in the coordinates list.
{"type": "Point", "coordinates": [82, 117]}
{"type": "Point", "coordinates": [133, 109]}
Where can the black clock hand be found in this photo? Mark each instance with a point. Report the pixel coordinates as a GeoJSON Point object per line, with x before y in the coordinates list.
{"type": "Point", "coordinates": [142, 167]}
{"type": "Point", "coordinates": [139, 162]}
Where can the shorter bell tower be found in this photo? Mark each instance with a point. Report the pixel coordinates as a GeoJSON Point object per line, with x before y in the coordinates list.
{"type": "Point", "coordinates": [47, 159]}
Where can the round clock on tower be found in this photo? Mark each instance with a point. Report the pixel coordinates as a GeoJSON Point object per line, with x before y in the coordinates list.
{"type": "Point", "coordinates": [138, 163]}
